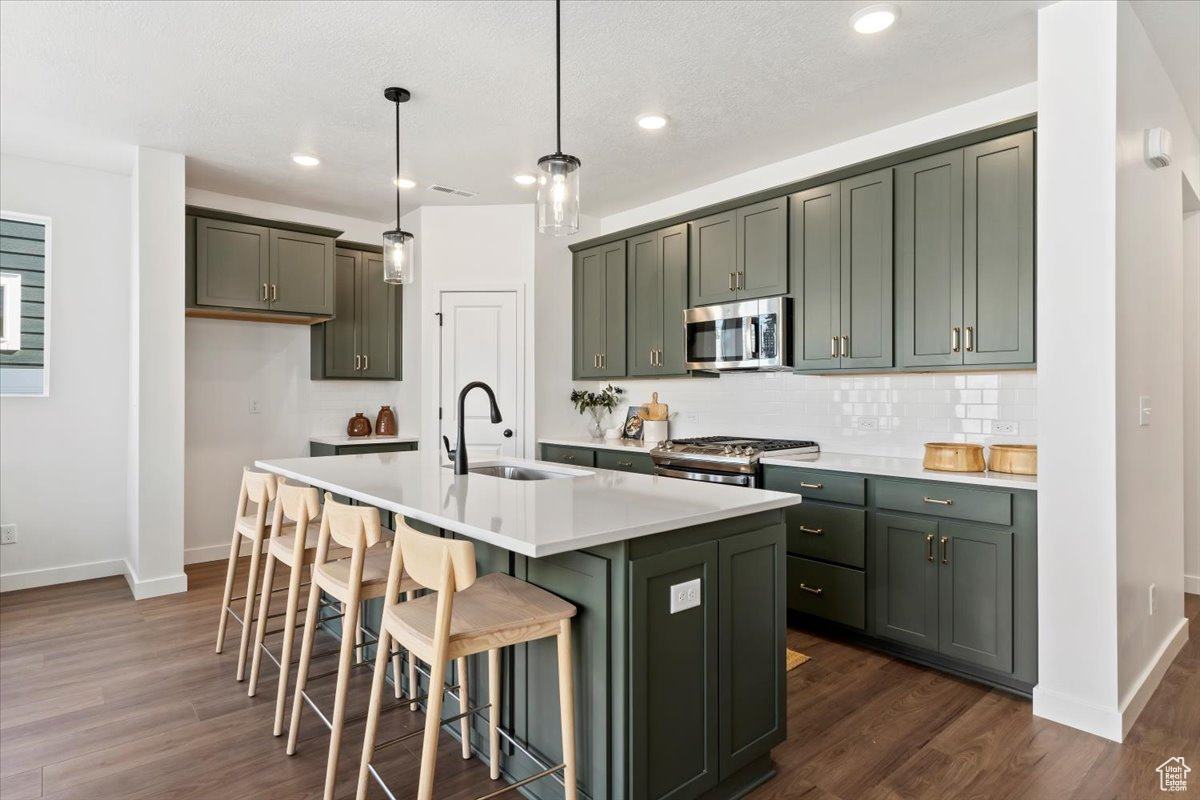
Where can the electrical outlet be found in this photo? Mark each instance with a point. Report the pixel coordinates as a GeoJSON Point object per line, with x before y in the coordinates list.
{"type": "Point", "coordinates": [691, 416]}
{"type": "Point", "coordinates": [685, 595]}
{"type": "Point", "coordinates": [8, 534]}
{"type": "Point", "coordinates": [255, 406]}
{"type": "Point", "coordinates": [1143, 410]}
{"type": "Point", "coordinates": [868, 423]}
{"type": "Point", "coordinates": [1153, 598]}
{"type": "Point", "coordinates": [999, 426]}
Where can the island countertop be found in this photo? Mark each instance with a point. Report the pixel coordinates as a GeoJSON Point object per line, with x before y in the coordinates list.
{"type": "Point", "coordinates": [588, 508]}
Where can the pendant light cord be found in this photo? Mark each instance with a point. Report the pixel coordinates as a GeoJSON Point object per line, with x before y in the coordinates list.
{"type": "Point", "coordinates": [397, 164]}
{"type": "Point", "coordinates": [558, 71]}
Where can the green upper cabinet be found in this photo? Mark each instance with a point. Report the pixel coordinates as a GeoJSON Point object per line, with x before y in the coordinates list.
{"type": "Point", "coordinates": [599, 311]}
{"type": "Point", "coordinates": [842, 274]}
{"type": "Point", "coordinates": [998, 244]}
{"type": "Point", "coordinates": [714, 259]}
{"type": "Point", "coordinates": [762, 258]}
{"type": "Point", "coordinates": [657, 284]}
{"type": "Point", "coordinates": [739, 254]}
{"type": "Point", "coordinates": [929, 231]}
{"type": "Point", "coordinates": [364, 339]}
{"type": "Point", "coordinates": [232, 264]}
{"type": "Point", "coordinates": [965, 262]}
{"type": "Point", "coordinates": [301, 272]}
{"type": "Point", "coordinates": [816, 243]}
{"type": "Point", "coordinates": [244, 264]}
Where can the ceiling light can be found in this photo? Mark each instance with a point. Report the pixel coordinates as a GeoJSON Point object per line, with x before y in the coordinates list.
{"type": "Point", "coordinates": [875, 18]}
{"type": "Point", "coordinates": [525, 179]}
{"type": "Point", "coordinates": [305, 160]}
{"type": "Point", "coordinates": [652, 120]}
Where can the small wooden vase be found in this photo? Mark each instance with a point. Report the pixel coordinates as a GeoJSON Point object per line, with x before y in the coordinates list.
{"type": "Point", "coordinates": [359, 425]}
{"type": "Point", "coordinates": [385, 423]}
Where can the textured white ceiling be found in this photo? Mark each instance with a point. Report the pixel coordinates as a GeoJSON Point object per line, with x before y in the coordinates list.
{"type": "Point", "coordinates": [239, 86]}
{"type": "Point", "coordinates": [1174, 29]}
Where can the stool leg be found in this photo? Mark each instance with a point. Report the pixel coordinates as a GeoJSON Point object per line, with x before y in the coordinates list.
{"type": "Point", "coordinates": [264, 608]}
{"type": "Point", "coordinates": [433, 724]}
{"type": "Point", "coordinates": [358, 637]}
{"type": "Point", "coordinates": [234, 547]}
{"type": "Point", "coordinates": [494, 712]}
{"type": "Point", "coordinates": [464, 702]}
{"type": "Point", "coordinates": [251, 588]}
{"type": "Point", "coordinates": [412, 664]}
{"type": "Point", "coordinates": [343, 688]}
{"type": "Point", "coordinates": [364, 774]}
{"type": "Point", "coordinates": [396, 674]}
{"type": "Point", "coordinates": [289, 635]}
{"type": "Point", "coordinates": [566, 703]}
{"type": "Point", "coordinates": [310, 633]}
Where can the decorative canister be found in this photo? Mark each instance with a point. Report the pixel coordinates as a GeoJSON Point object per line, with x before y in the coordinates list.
{"type": "Point", "coordinates": [654, 430]}
{"type": "Point", "coordinates": [954, 456]}
{"type": "Point", "coordinates": [359, 425]}
{"type": "Point", "coordinates": [385, 423]}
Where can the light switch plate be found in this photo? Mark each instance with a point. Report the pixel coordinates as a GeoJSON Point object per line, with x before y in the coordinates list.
{"type": "Point", "coordinates": [8, 534]}
{"type": "Point", "coordinates": [685, 595]}
{"type": "Point", "coordinates": [255, 406]}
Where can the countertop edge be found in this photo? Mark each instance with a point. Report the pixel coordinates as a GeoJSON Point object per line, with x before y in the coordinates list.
{"type": "Point", "coordinates": [1023, 482]}
{"type": "Point", "coordinates": [600, 444]}
{"type": "Point", "coordinates": [354, 441]}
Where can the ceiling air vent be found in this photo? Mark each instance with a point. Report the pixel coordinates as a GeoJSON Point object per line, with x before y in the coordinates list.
{"type": "Point", "coordinates": [450, 190]}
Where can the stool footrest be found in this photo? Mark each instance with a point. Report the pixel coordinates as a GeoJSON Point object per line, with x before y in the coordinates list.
{"type": "Point", "coordinates": [518, 784]}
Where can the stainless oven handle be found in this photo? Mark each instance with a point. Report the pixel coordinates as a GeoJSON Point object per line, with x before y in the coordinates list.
{"type": "Point", "coordinates": [740, 480]}
{"type": "Point", "coordinates": [750, 338]}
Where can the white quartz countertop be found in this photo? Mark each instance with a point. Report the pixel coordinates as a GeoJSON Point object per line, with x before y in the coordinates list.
{"type": "Point", "coordinates": [900, 468]}
{"type": "Point", "coordinates": [602, 444]}
{"type": "Point", "coordinates": [342, 440]}
{"type": "Point", "coordinates": [589, 508]}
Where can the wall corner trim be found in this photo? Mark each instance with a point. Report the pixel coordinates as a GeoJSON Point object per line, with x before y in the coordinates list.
{"type": "Point", "coordinates": [1141, 692]}
{"type": "Point", "coordinates": [1077, 713]}
{"type": "Point", "coordinates": [1191, 584]}
{"type": "Point", "coordinates": [50, 576]}
{"type": "Point", "coordinates": [154, 587]}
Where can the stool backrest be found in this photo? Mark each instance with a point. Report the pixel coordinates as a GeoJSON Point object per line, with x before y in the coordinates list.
{"type": "Point", "coordinates": [258, 488]}
{"type": "Point", "coordinates": [355, 527]}
{"type": "Point", "coordinates": [436, 563]}
{"type": "Point", "coordinates": [299, 504]}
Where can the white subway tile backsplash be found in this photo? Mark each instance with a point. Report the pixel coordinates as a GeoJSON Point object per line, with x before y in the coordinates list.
{"type": "Point", "coordinates": [910, 409]}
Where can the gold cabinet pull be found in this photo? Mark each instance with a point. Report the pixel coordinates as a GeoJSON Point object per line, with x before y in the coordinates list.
{"type": "Point", "coordinates": [954, 340]}
{"type": "Point", "coordinates": [264, 297]}
{"type": "Point", "coordinates": [603, 360]}
{"type": "Point", "coordinates": [845, 346]}
{"type": "Point", "coordinates": [833, 347]}
{"type": "Point", "coordinates": [937, 502]}
{"type": "Point", "coordinates": [624, 463]}
{"type": "Point", "coordinates": [813, 531]}
{"type": "Point", "coordinates": [945, 550]}
{"type": "Point", "coordinates": [804, 485]}
{"type": "Point", "coordinates": [568, 458]}
{"type": "Point", "coordinates": [929, 547]}
{"type": "Point", "coordinates": [970, 338]}
{"type": "Point", "coordinates": [357, 361]}
{"type": "Point", "coordinates": [731, 281]}
{"type": "Point", "coordinates": [366, 362]}
{"type": "Point", "coordinates": [740, 275]}
{"type": "Point", "coordinates": [811, 589]}
{"type": "Point", "coordinates": [274, 293]}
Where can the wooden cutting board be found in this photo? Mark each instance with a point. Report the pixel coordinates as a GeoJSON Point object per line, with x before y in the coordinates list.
{"type": "Point", "coordinates": [655, 410]}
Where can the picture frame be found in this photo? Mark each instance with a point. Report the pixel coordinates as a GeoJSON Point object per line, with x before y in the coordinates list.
{"type": "Point", "coordinates": [633, 424]}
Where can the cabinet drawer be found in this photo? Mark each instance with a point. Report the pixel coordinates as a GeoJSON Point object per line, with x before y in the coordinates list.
{"type": "Point", "coordinates": [945, 500]}
{"type": "Point", "coordinates": [829, 533]}
{"type": "Point", "coordinates": [624, 462]}
{"type": "Point", "coordinates": [812, 485]}
{"type": "Point", "coordinates": [823, 590]}
{"type": "Point", "coordinates": [575, 456]}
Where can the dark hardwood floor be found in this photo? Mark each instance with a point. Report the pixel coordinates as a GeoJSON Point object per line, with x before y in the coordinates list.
{"type": "Point", "coordinates": [104, 698]}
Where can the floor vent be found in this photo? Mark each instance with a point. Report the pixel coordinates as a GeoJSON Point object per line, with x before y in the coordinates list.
{"type": "Point", "coordinates": [437, 187]}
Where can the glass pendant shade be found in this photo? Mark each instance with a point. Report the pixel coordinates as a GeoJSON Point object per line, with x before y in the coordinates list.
{"type": "Point", "coordinates": [558, 195]}
{"type": "Point", "coordinates": [399, 261]}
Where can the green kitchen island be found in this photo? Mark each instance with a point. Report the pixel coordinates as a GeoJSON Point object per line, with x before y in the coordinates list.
{"type": "Point", "coordinates": [667, 705]}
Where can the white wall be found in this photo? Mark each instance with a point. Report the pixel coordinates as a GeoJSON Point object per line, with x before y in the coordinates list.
{"type": "Point", "coordinates": [1191, 403]}
{"type": "Point", "coordinates": [63, 457]}
{"type": "Point", "coordinates": [1149, 345]}
{"type": "Point", "coordinates": [229, 363]}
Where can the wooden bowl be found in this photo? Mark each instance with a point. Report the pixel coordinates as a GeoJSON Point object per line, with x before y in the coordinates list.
{"type": "Point", "coordinates": [1019, 459]}
{"type": "Point", "coordinates": [954, 456]}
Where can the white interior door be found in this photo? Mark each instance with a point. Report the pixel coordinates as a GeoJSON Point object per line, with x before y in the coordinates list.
{"type": "Point", "coordinates": [481, 333]}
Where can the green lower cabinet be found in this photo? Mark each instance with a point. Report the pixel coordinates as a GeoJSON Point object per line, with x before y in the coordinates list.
{"type": "Point", "coordinates": [975, 595]}
{"type": "Point", "coordinates": [624, 461]}
{"type": "Point", "coordinates": [572, 456]}
{"type": "Point", "coordinates": [827, 591]}
{"type": "Point", "coordinates": [906, 580]}
{"type": "Point", "coordinates": [828, 533]}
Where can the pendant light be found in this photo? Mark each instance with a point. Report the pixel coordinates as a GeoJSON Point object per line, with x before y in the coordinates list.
{"type": "Point", "coordinates": [399, 261]}
{"type": "Point", "coordinates": [558, 173]}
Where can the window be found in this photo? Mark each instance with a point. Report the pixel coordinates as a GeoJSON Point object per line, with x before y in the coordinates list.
{"type": "Point", "coordinates": [24, 303]}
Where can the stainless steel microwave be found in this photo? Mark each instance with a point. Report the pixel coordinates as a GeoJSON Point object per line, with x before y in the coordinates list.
{"type": "Point", "coordinates": [752, 334]}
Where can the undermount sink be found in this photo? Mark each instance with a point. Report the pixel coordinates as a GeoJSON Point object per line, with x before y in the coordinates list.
{"type": "Point", "coordinates": [514, 473]}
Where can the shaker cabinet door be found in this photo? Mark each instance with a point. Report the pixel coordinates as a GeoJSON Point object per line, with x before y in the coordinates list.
{"type": "Point", "coordinates": [378, 320]}
{"type": "Point", "coordinates": [929, 260]}
{"type": "Point", "coordinates": [906, 580]}
{"type": "Point", "coordinates": [713, 261]}
{"type": "Point", "coordinates": [301, 272]}
{"type": "Point", "coordinates": [599, 300]}
{"type": "Point", "coordinates": [645, 307]}
{"type": "Point", "coordinates": [866, 296]}
{"type": "Point", "coordinates": [762, 258]}
{"type": "Point", "coordinates": [341, 333]}
{"type": "Point", "coordinates": [976, 595]}
{"type": "Point", "coordinates": [232, 261]}
{"type": "Point", "coordinates": [816, 276]}
{"type": "Point", "coordinates": [673, 255]}
{"type": "Point", "coordinates": [998, 270]}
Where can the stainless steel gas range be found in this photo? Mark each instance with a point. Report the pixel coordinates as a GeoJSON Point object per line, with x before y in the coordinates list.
{"type": "Point", "coordinates": [722, 459]}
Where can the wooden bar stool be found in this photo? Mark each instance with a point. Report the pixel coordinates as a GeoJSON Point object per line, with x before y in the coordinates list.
{"type": "Point", "coordinates": [258, 488]}
{"type": "Point", "coordinates": [362, 576]}
{"type": "Point", "coordinates": [467, 616]}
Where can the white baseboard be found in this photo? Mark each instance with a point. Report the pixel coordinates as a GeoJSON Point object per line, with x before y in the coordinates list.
{"type": "Point", "coordinates": [1191, 584]}
{"type": "Point", "coordinates": [1076, 713]}
{"type": "Point", "coordinates": [29, 579]}
{"type": "Point", "coordinates": [215, 552]}
{"type": "Point", "coordinates": [154, 587]}
{"type": "Point", "coordinates": [1148, 681]}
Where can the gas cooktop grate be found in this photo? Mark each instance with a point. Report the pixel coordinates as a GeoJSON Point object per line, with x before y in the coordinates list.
{"type": "Point", "coordinates": [762, 444]}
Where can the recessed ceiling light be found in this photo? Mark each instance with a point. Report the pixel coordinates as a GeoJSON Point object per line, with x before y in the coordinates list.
{"type": "Point", "coordinates": [405, 183]}
{"type": "Point", "coordinates": [524, 178]}
{"type": "Point", "coordinates": [305, 160]}
{"type": "Point", "coordinates": [874, 19]}
{"type": "Point", "coordinates": [652, 121]}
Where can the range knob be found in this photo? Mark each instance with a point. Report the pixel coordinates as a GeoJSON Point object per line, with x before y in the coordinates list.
{"type": "Point", "coordinates": [667, 445]}
{"type": "Point", "coordinates": [727, 450]}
